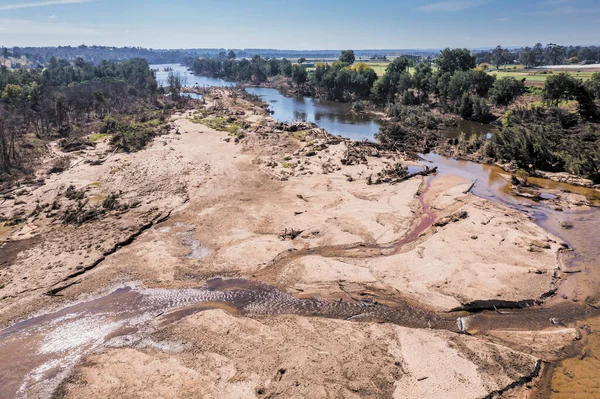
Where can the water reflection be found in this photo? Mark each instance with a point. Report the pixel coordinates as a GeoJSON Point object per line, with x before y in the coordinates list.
{"type": "Point", "coordinates": [336, 118]}
{"type": "Point", "coordinates": [492, 182]}
{"type": "Point", "coordinates": [188, 78]}
{"type": "Point", "coordinates": [470, 129]}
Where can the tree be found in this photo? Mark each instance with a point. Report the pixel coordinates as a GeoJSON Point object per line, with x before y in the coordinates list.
{"type": "Point", "coordinates": [538, 54]}
{"type": "Point", "coordinates": [499, 56]}
{"type": "Point", "coordinates": [348, 57]}
{"type": "Point", "coordinates": [555, 53]}
{"type": "Point", "coordinates": [174, 85]}
{"type": "Point", "coordinates": [231, 55]}
{"type": "Point", "coordinates": [299, 75]}
{"type": "Point", "coordinates": [585, 103]}
{"type": "Point", "coordinates": [442, 86]}
{"type": "Point", "coordinates": [469, 82]}
{"type": "Point", "coordinates": [274, 67]}
{"type": "Point", "coordinates": [455, 60]}
{"type": "Point", "coordinates": [527, 58]}
{"type": "Point", "coordinates": [11, 93]}
{"type": "Point", "coordinates": [559, 87]}
{"type": "Point", "coordinates": [423, 78]}
{"type": "Point", "coordinates": [506, 90]}
{"type": "Point", "coordinates": [586, 55]}
{"type": "Point", "coordinates": [481, 82]}
{"type": "Point", "coordinates": [386, 87]}
{"type": "Point", "coordinates": [286, 67]}
{"type": "Point", "coordinates": [301, 60]}
{"type": "Point", "coordinates": [593, 85]}
{"type": "Point", "coordinates": [398, 65]}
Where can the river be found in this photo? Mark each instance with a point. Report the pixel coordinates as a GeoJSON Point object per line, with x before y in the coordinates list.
{"type": "Point", "coordinates": [88, 325]}
{"type": "Point", "coordinates": [188, 79]}
{"type": "Point", "coordinates": [335, 117]}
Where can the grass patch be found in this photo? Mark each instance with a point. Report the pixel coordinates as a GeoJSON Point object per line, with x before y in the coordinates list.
{"type": "Point", "coordinates": [96, 137]}
{"type": "Point", "coordinates": [301, 134]}
{"type": "Point", "coordinates": [230, 125]}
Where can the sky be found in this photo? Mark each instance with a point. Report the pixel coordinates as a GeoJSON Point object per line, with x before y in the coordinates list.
{"type": "Point", "coordinates": [299, 24]}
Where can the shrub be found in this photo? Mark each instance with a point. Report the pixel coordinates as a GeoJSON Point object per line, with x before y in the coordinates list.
{"type": "Point", "coordinates": [60, 164]}
{"type": "Point", "coordinates": [132, 137]}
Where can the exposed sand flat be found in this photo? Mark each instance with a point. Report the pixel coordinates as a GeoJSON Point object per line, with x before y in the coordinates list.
{"type": "Point", "coordinates": [231, 206]}
{"type": "Point", "coordinates": [292, 357]}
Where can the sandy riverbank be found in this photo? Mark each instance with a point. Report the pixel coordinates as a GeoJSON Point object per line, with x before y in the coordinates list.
{"type": "Point", "coordinates": [203, 204]}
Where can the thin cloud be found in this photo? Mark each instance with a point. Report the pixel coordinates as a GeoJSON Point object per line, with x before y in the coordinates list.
{"type": "Point", "coordinates": [16, 6]}
{"type": "Point", "coordinates": [52, 16]}
{"type": "Point", "coordinates": [565, 7]}
{"type": "Point", "coordinates": [569, 10]}
{"type": "Point", "coordinates": [451, 5]}
{"type": "Point", "coordinates": [557, 2]}
{"type": "Point", "coordinates": [26, 27]}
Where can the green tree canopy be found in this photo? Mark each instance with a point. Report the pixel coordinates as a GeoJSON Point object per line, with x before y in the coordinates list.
{"type": "Point", "coordinates": [593, 85]}
{"type": "Point", "coordinates": [559, 87]}
{"type": "Point", "coordinates": [506, 90]}
{"type": "Point", "coordinates": [455, 60]}
{"type": "Point", "coordinates": [348, 57]}
{"type": "Point", "coordinates": [299, 75]}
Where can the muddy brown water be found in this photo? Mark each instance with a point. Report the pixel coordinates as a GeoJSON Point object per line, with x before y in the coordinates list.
{"type": "Point", "coordinates": [577, 299]}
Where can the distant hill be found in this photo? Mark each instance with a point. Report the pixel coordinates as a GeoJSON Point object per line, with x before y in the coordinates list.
{"type": "Point", "coordinates": [41, 55]}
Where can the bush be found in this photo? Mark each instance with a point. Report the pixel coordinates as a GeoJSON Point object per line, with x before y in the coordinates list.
{"type": "Point", "coordinates": [358, 106]}
{"type": "Point", "coordinates": [60, 164]}
{"type": "Point", "coordinates": [132, 137]}
{"type": "Point", "coordinates": [110, 124]}
{"type": "Point", "coordinates": [418, 116]}
{"type": "Point", "coordinates": [473, 108]}
{"type": "Point", "coordinates": [548, 139]}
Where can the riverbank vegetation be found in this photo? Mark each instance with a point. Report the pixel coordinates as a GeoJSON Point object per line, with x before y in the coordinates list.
{"type": "Point", "coordinates": [417, 95]}
{"type": "Point", "coordinates": [69, 101]}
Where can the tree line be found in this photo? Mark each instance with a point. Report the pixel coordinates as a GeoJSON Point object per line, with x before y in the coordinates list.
{"type": "Point", "coordinates": [538, 54]}
{"type": "Point", "coordinates": [452, 82]}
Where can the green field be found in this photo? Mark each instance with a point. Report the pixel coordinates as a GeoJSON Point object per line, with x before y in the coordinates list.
{"type": "Point", "coordinates": [537, 78]}
{"type": "Point", "coordinates": [378, 66]}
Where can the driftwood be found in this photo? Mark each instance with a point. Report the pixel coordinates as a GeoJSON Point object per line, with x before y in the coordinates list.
{"type": "Point", "coordinates": [292, 234]}
{"type": "Point", "coordinates": [470, 187]}
{"type": "Point", "coordinates": [36, 183]}
{"type": "Point", "coordinates": [424, 172]}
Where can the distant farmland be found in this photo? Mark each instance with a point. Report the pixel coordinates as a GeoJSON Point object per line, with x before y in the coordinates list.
{"type": "Point", "coordinates": [533, 77]}
{"type": "Point", "coordinates": [536, 77]}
